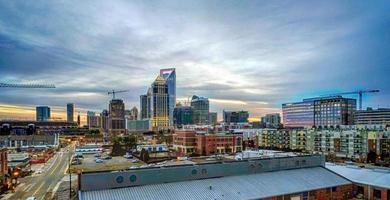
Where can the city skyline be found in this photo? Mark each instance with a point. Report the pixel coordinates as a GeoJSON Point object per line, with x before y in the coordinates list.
{"type": "Point", "coordinates": [241, 55]}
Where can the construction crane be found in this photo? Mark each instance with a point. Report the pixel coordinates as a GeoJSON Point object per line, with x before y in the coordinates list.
{"type": "Point", "coordinates": [359, 92]}
{"type": "Point", "coordinates": [26, 85]}
{"type": "Point", "coordinates": [113, 92]}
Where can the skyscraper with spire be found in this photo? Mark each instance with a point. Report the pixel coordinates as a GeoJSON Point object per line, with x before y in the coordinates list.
{"type": "Point", "coordinates": [169, 76]}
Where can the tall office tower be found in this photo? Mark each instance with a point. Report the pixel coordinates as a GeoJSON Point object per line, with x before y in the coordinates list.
{"type": "Point", "coordinates": [271, 120]}
{"type": "Point", "coordinates": [70, 112]}
{"type": "Point", "coordinates": [104, 120]}
{"type": "Point", "coordinates": [144, 106]}
{"type": "Point", "coordinates": [134, 113]}
{"type": "Point", "coordinates": [42, 113]}
{"type": "Point", "coordinates": [371, 116]}
{"type": "Point", "coordinates": [182, 115]}
{"type": "Point", "coordinates": [169, 76]}
{"type": "Point", "coordinates": [319, 111]}
{"type": "Point", "coordinates": [213, 118]}
{"type": "Point", "coordinates": [200, 108]}
{"type": "Point", "coordinates": [93, 120]}
{"type": "Point", "coordinates": [159, 103]}
{"type": "Point", "coordinates": [334, 111]}
{"type": "Point", "coordinates": [116, 117]}
{"type": "Point", "coordinates": [235, 116]}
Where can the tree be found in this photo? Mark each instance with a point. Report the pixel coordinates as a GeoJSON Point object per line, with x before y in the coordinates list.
{"type": "Point", "coordinates": [129, 141]}
{"type": "Point", "coordinates": [117, 149]}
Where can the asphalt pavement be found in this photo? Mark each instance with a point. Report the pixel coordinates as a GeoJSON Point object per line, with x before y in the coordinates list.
{"type": "Point", "coordinates": [40, 184]}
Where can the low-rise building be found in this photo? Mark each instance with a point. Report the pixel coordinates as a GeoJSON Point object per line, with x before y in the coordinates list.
{"type": "Point", "coordinates": [190, 142]}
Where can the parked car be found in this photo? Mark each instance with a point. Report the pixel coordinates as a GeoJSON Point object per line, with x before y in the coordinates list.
{"type": "Point", "coordinates": [98, 160]}
{"type": "Point", "coordinates": [31, 198]}
{"type": "Point", "coordinates": [98, 155]}
{"type": "Point", "coordinates": [134, 160]}
{"type": "Point", "coordinates": [128, 156]}
{"type": "Point", "coordinates": [107, 157]}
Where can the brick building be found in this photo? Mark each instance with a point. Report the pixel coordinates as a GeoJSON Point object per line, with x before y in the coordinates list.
{"type": "Point", "coordinates": [187, 142]}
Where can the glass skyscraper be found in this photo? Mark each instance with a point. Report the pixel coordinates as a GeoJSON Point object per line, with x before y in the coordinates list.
{"type": "Point", "coordinates": [169, 76]}
{"type": "Point", "coordinates": [200, 108]}
{"type": "Point", "coordinates": [70, 112]}
{"type": "Point", "coordinates": [42, 113]}
{"type": "Point", "coordinates": [182, 115]}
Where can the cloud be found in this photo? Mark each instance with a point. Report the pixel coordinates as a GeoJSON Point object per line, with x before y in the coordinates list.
{"type": "Point", "coordinates": [254, 54]}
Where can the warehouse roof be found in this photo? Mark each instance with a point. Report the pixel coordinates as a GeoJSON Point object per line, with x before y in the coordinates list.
{"type": "Point", "coordinates": [374, 177]}
{"type": "Point", "coordinates": [250, 186]}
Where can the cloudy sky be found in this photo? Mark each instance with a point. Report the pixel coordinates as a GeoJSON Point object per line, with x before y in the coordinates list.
{"type": "Point", "coordinates": [251, 55]}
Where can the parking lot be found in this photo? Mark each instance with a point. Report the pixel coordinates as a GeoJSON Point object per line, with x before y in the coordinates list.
{"type": "Point", "coordinates": [88, 163]}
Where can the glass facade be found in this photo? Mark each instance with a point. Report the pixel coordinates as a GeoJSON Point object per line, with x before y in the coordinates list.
{"type": "Point", "coordinates": [235, 116]}
{"type": "Point", "coordinates": [182, 115]}
{"type": "Point", "coordinates": [42, 113]}
{"type": "Point", "coordinates": [169, 76]}
{"type": "Point", "coordinates": [200, 107]}
{"type": "Point", "coordinates": [334, 111]}
{"type": "Point", "coordinates": [327, 111]}
{"type": "Point", "coordinates": [144, 106]}
{"type": "Point", "coordinates": [299, 114]}
{"type": "Point", "coordinates": [69, 112]}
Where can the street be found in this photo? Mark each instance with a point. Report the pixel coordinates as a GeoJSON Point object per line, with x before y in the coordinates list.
{"type": "Point", "coordinates": [38, 185]}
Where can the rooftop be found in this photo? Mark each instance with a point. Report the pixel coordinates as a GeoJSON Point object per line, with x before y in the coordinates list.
{"type": "Point", "coordinates": [249, 186]}
{"type": "Point", "coordinates": [374, 177]}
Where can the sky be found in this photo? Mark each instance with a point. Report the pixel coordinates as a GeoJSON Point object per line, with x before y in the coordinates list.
{"type": "Point", "coordinates": [242, 55]}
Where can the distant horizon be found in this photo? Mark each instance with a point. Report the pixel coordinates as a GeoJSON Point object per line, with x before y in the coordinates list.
{"type": "Point", "coordinates": [245, 55]}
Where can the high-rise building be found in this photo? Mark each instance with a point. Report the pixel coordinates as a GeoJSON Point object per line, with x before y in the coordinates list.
{"type": "Point", "coordinates": [334, 111]}
{"type": "Point", "coordinates": [320, 111]}
{"type": "Point", "coordinates": [271, 120]}
{"type": "Point", "coordinates": [235, 116]}
{"type": "Point", "coordinates": [159, 103]}
{"type": "Point", "coordinates": [70, 112]}
{"type": "Point", "coordinates": [144, 106]}
{"type": "Point", "coordinates": [104, 117]}
{"type": "Point", "coordinates": [371, 116]}
{"type": "Point", "coordinates": [42, 113]}
{"type": "Point", "coordinates": [200, 108]}
{"type": "Point", "coordinates": [169, 76]}
{"type": "Point", "coordinates": [182, 115]}
{"type": "Point", "coordinates": [93, 120]}
{"type": "Point", "coordinates": [117, 116]}
{"type": "Point", "coordinates": [134, 113]}
{"type": "Point", "coordinates": [213, 118]}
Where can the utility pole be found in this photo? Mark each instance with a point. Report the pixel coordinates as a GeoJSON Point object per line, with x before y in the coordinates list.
{"type": "Point", "coordinates": [70, 175]}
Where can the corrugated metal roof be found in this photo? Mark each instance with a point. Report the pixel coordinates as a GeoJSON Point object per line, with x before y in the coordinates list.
{"type": "Point", "coordinates": [252, 186]}
{"type": "Point", "coordinates": [374, 177]}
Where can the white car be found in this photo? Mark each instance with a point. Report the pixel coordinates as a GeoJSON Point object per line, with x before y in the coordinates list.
{"type": "Point", "coordinates": [98, 160]}
{"type": "Point", "coordinates": [39, 171]}
{"type": "Point", "coordinates": [134, 160]}
{"type": "Point", "coordinates": [31, 198]}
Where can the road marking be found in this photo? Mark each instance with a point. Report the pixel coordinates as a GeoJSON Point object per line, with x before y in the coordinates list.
{"type": "Point", "coordinates": [29, 187]}
{"type": "Point", "coordinates": [38, 188]}
{"type": "Point", "coordinates": [55, 188]}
